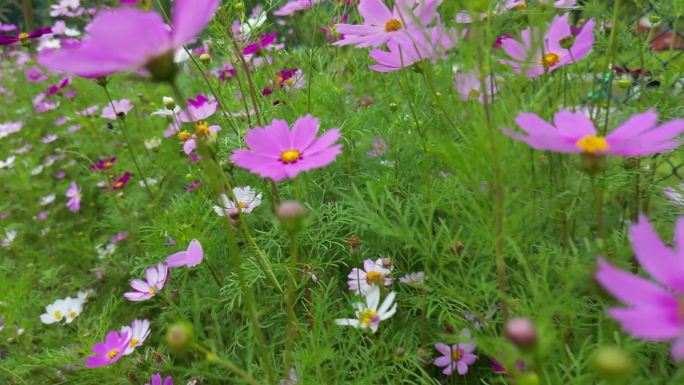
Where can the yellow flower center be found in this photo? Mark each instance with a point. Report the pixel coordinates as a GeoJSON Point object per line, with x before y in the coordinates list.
{"type": "Point", "coordinates": [550, 59]}
{"type": "Point", "coordinates": [367, 316]}
{"type": "Point", "coordinates": [374, 277]}
{"type": "Point", "coordinates": [474, 93]}
{"type": "Point", "coordinates": [23, 36]}
{"type": "Point", "coordinates": [118, 184]}
{"type": "Point", "coordinates": [522, 5]}
{"type": "Point", "coordinates": [133, 342]}
{"type": "Point", "coordinates": [592, 143]}
{"type": "Point", "coordinates": [112, 353]}
{"type": "Point", "coordinates": [58, 315]}
{"type": "Point", "coordinates": [72, 314]}
{"type": "Point", "coordinates": [183, 136]}
{"type": "Point", "coordinates": [278, 79]}
{"type": "Point", "coordinates": [201, 128]}
{"type": "Point", "coordinates": [393, 25]}
{"type": "Point", "coordinates": [242, 205]}
{"type": "Point", "coordinates": [289, 82]}
{"type": "Point", "coordinates": [456, 354]}
{"type": "Point", "coordinates": [290, 156]}
{"type": "Point", "coordinates": [107, 164]}
{"type": "Point", "coordinates": [151, 291]}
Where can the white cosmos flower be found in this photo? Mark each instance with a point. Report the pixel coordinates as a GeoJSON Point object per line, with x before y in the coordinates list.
{"type": "Point", "coordinates": [368, 314]}
{"type": "Point", "coordinates": [46, 200]}
{"type": "Point", "coordinates": [73, 307]}
{"type": "Point", "coordinates": [10, 235]}
{"type": "Point", "coordinates": [138, 331]}
{"type": "Point", "coordinates": [152, 143]}
{"type": "Point", "coordinates": [252, 23]}
{"type": "Point", "coordinates": [54, 312]}
{"type": "Point", "coordinates": [166, 112]}
{"type": "Point", "coordinates": [247, 199]}
{"type": "Point", "coordinates": [7, 163]}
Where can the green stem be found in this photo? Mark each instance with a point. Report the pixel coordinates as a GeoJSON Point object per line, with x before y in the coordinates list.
{"type": "Point", "coordinates": [290, 300]}
{"type": "Point", "coordinates": [611, 59]}
{"type": "Point", "coordinates": [212, 357]}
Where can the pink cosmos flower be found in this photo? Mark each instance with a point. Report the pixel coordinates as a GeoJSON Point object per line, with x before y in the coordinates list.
{"type": "Point", "coordinates": [74, 195]}
{"type": "Point", "coordinates": [109, 351]}
{"type": "Point", "coordinates": [35, 75]}
{"type": "Point", "coordinates": [191, 257]}
{"type": "Point", "coordinates": [118, 237]}
{"type": "Point", "coordinates": [295, 6]}
{"type": "Point", "coordinates": [155, 279]}
{"type": "Point", "coordinates": [263, 42]}
{"type": "Point", "coordinates": [417, 278]}
{"type": "Point", "coordinates": [49, 138]}
{"type": "Point", "coordinates": [379, 147]}
{"type": "Point", "coordinates": [654, 310]}
{"type": "Point", "coordinates": [413, 47]}
{"type": "Point", "coordinates": [111, 110]}
{"type": "Point", "coordinates": [553, 56]}
{"type": "Point", "coordinates": [382, 25]}
{"type": "Point", "coordinates": [373, 273]}
{"type": "Point", "coordinates": [23, 36]}
{"type": "Point", "coordinates": [457, 356]}
{"type": "Point", "coordinates": [121, 182]}
{"type": "Point", "coordinates": [574, 132]}
{"type": "Point", "coordinates": [198, 109]}
{"type": "Point", "coordinates": [468, 86]}
{"type": "Point", "coordinates": [90, 111]}
{"type": "Point", "coordinates": [10, 128]}
{"type": "Point", "coordinates": [562, 4]}
{"type": "Point", "coordinates": [104, 164]}
{"type": "Point", "coordinates": [278, 153]}
{"type": "Point", "coordinates": [7, 27]}
{"type": "Point", "coordinates": [157, 380]}
{"type": "Point", "coordinates": [140, 39]}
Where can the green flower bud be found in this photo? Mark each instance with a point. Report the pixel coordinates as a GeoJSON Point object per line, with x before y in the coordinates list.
{"type": "Point", "coordinates": [613, 363]}
{"type": "Point", "coordinates": [179, 336]}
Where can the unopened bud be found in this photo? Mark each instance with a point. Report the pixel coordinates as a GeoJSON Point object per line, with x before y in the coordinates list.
{"type": "Point", "coordinates": [179, 336]}
{"type": "Point", "coordinates": [613, 362]}
{"type": "Point", "coordinates": [624, 83]}
{"type": "Point", "coordinates": [291, 213]}
{"type": "Point", "coordinates": [393, 107]}
{"type": "Point", "coordinates": [654, 19]}
{"type": "Point", "coordinates": [169, 102]}
{"type": "Point", "coordinates": [522, 333]}
{"type": "Point", "coordinates": [205, 58]}
{"type": "Point", "coordinates": [528, 379]}
{"type": "Point", "coordinates": [239, 6]}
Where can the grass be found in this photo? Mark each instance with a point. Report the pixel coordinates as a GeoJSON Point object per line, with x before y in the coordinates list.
{"type": "Point", "coordinates": [431, 203]}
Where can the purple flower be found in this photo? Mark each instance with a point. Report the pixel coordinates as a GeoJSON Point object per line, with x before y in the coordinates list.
{"type": "Point", "coordinates": [263, 42]}
{"type": "Point", "coordinates": [157, 380]}
{"type": "Point", "coordinates": [104, 164]}
{"type": "Point", "coordinates": [140, 39]}
{"type": "Point", "coordinates": [457, 356]}
{"type": "Point", "coordinates": [155, 279]}
{"type": "Point", "coordinates": [278, 153]}
{"type": "Point", "coordinates": [574, 132]}
{"type": "Point", "coordinates": [111, 110]}
{"type": "Point", "coordinates": [122, 181]}
{"type": "Point", "coordinates": [379, 147]}
{"type": "Point", "coordinates": [191, 257]}
{"type": "Point", "coordinates": [468, 86]}
{"type": "Point", "coordinates": [561, 48]}
{"type": "Point", "coordinates": [417, 278]}
{"type": "Point", "coordinates": [192, 186]}
{"type": "Point", "coordinates": [654, 310]}
{"type": "Point", "coordinates": [109, 351]}
{"type": "Point", "coordinates": [413, 47]}
{"type": "Point", "coordinates": [118, 237]}
{"type": "Point", "coordinates": [372, 274]}
{"type": "Point", "coordinates": [198, 109]}
{"type": "Point", "coordinates": [35, 75]}
{"type": "Point", "coordinates": [382, 25]}
{"type": "Point", "coordinates": [49, 138]}
{"type": "Point", "coordinates": [23, 36]}
{"type": "Point", "coordinates": [74, 195]}
{"type": "Point", "coordinates": [294, 6]}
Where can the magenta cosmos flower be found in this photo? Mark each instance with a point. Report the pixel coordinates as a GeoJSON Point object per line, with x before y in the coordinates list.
{"type": "Point", "coordinates": [155, 279]}
{"type": "Point", "coordinates": [24, 36]}
{"type": "Point", "coordinates": [560, 48]}
{"type": "Point", "coordinates": [140, 39]}
{"type": "Point", "coordinates": [157, 380]}
{"type": "Point", "coordinates": [191, 257]}
{"type": "Point", "coordinates": [468, 86]}
{"type": "Point", "coordinates": [413, 47]}
{"type": "Point", "coordinates": [575, 132]}
{"type": "Point", "coordinates": [457, 356]}
{"type": "Point", "coordinates": [654, 310]}
{"type": "Point", "coordinates": [279, 153]}
{"type": "Point", "coordinates": [74, 195]}
{"type": "Point", "coordinates": [109, 351]}
{"type": "Point", "coordinates": [381, 25]}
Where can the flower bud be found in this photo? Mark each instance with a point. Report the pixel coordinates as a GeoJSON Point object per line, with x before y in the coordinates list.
{"type": "Point", "coordinates": [522, 333]}
{"type": "Point", "coordinates": [179, 336]}
{"type": "Point", "coordinates": [393, 107]}
{"type": "Point", "coordinates": [613, 362]}
{"type": "Point", "coordinates": [169, 102]}
{"type": "Point", "coordinates": [239, 6]}
{"type": "Point", "coordinates": [291, 213]}
{"type": "Point", "coordinates": [528, 379]}
{"type": "Point", "coordinates": [624, 83]}
{"type": "Point", "coordinates": [205, 58]}
{"type": "Point", "coordinates": [654, 19]}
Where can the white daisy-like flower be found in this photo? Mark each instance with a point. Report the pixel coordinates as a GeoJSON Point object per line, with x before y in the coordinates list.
{"type": "Point", "coordinates": [46, 200]}
{"type": "Point", "coordinates": [8, 163]}
{"type": "Point", "coordinates": [104, 251]}
{"type": "Point", "coordinates": [413, 279]}
{"type": "Point", "coordinates": [253, 23]}
{"type": "Point", "coordinates": [373, 273]}
{"type": "Point", "coordinates": [247, 200]}
{"type": "Point", "coordinates": [73, 307]}
{"type": "Point", "coordinates": [152, 143]}
{"type": "Point", "coordinates": [10, 235]}
{"type": "Point", "coordinates": [166, 112]}
{"type": "Point", "coordinates": [138, 331]}
{"type": "Point", "coordinates": [54, 312]}
{"type": "Point", "coordinates": [369, 314]}
{"type": "Point", "coordinates": [37, 170]}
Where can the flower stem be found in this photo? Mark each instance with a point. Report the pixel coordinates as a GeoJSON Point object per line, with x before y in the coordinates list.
{"type": "Point", "coordinates": [290, 299]}
{"type": "Point", "coordinates": [212, 357]}
{"type": "Point", "coordinates": [611, 59]}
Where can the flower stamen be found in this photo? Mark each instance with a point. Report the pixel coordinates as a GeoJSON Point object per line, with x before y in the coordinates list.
{"type": "Point", "coordinates": [592, 144]}
{"type": "Point", "coordinates": [550, 59]}
{"type": "Point", "coordinates": [290, 156]}
{"type": "Point", "coordinates": [393, 25]}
